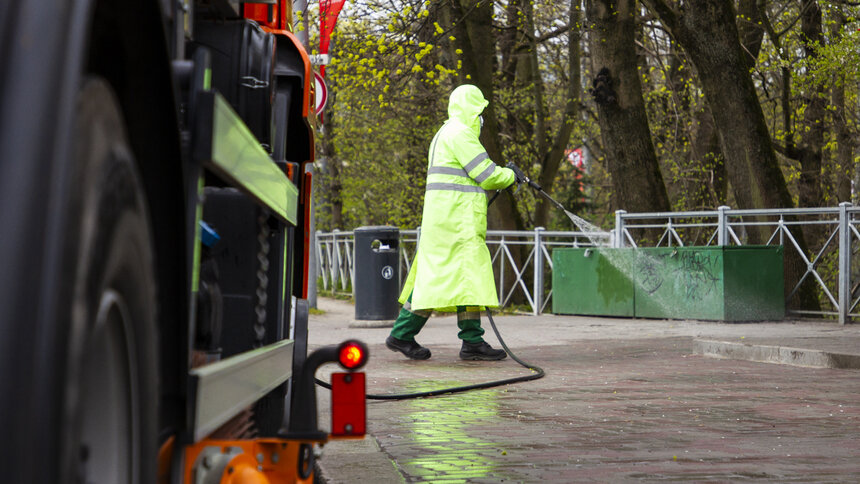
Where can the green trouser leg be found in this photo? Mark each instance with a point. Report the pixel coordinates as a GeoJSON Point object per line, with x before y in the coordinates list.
{"type": "Point", "coordinates": [409, 323]}
{"type": "Point", "coordinates": [469, 322]}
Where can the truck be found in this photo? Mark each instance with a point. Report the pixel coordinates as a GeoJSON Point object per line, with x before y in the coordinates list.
{"type": "Point", "coordinates": [155, 207]}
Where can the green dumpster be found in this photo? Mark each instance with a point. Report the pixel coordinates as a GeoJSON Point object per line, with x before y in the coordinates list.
{"type": "Point", "coordinates": [728, 283]}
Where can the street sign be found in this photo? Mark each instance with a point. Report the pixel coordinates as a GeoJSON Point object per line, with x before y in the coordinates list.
{"type": "Point", "coordinates": [319, 60]}
{"type": "Point", "coordinates": [321, 93]}
{"type": "Point", "coordinates": [575, 158]}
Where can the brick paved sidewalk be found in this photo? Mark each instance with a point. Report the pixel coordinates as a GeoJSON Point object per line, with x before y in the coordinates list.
{"type": "Point", "coordinates": [636, 404]}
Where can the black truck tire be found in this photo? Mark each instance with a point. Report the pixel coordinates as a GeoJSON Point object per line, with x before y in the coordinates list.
{"type": "Point", "coordinates": [110, 397]}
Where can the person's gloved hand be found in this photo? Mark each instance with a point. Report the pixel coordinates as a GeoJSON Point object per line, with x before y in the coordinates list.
{"type": "Point", "coordinates": [519, 176]}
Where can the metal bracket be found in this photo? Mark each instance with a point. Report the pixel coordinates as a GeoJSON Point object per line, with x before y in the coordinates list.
{"type": "Point", "coordinates": [253, 83]}
{"type": "Point", "coordinates": [221, 390]}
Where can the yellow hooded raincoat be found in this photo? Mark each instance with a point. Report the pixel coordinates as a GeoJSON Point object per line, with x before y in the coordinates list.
{"type": "Point", "coordinates": [452, 265]}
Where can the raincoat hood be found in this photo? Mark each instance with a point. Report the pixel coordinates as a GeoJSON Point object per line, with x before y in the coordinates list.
{"type": "Point", "coordinates": [466, 104]}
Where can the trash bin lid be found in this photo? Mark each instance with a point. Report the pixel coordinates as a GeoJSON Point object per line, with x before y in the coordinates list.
{"type": "Point", "coordinates": [378, 228]}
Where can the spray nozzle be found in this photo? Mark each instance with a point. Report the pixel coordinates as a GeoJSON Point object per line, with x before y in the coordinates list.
{"type": "Point", "coordinates": [521, 177]}
{"type": "Point", "coordinates": [533, 184]}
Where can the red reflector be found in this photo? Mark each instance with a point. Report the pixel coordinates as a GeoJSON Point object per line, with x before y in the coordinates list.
{"type": "Point", "coordinates": [352, 355]}
{"type": "Point", "coordinates": [348, 405]}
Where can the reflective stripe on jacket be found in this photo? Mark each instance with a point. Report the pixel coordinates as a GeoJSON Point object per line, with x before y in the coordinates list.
{"type": "Point", "coordinates": [452, 266]}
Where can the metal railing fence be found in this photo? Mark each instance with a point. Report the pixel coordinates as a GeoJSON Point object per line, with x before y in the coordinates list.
{"type": "Point", "coordinates": [522, 260]}
{"type": "Point", "coordinates": [830, 233]}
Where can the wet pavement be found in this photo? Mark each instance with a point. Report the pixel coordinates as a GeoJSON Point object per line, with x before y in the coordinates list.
{"type": "Point", "coordinates": [623, 400]}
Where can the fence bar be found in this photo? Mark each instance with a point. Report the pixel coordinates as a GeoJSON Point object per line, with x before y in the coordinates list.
{"type": "Point", "coordinates": [844, 262]}
{"type": "Point", "coordinates": [729, 227]}
{"type": "Point", "coordinates": [501, 271]}
{"type": "Point", "coordinates": [619, 229]}
{"type": "Point", "coordinates": [538, 277]}
{"type": "Point", "coordinates": [336, 262]}
{"type": "Point", "coordinates": [722, 225]}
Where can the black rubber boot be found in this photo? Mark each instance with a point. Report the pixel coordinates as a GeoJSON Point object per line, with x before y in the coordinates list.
{"type": "Point", "coordinates": [481, 351]}
{"type": "Point", "coordinates": [411, 349]}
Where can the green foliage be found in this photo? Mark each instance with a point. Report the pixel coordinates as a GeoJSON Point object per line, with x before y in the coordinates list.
{"type": "Point", "coordinates": [389, 93]}
{"type": "Point", "coordinates": [395, 61]}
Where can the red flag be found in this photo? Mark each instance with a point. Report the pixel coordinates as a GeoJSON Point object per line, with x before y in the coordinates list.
{"type": "Point", "coordinates": [329, 10]}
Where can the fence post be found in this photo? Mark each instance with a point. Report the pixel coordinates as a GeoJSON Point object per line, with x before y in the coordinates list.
{"type": "Point", "coordinates": [335, 264]}
{"type": "Point", "coordinates": [844, 262]}
{"type": "Point", "coordinates": [619, 229]}
{"type": "Point", "coordinates": [314, 268]}
{"type": "Point", "coordinates": [326, 266]}
{"type": "Point", "coordinates": [722, 225]}
{"type": "Point", "coordinates": [669, 230]}
{"type": "Point", "coordinates": [351, 260]}
{"type": "Point", "coordinates": [782, 230]}
{"type": "Point", "coordinates": [502, 258]}
{"type": "Point", "coordinates": [538, 282]}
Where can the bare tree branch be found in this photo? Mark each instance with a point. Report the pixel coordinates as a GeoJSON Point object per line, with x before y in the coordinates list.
{"type": "Point", "coordinates": [665, 11]}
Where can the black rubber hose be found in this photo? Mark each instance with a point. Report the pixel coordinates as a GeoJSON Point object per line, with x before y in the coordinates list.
{"type": "Point", "coordinates": [538, 373]}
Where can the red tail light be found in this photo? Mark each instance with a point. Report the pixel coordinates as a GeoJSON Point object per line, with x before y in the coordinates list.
{"type": "Point", "coordinates": [352, 355]}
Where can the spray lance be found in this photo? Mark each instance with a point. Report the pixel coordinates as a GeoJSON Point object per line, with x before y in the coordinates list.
{"type": "Point", "coordinates": [521, 179]}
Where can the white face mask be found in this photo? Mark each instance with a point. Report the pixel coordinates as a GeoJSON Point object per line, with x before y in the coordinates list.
{"type": "Point", "coordinates": [481, 119]}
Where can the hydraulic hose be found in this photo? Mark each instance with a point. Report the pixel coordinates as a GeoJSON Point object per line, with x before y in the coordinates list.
{"type": "Point", "coordinates": [537, 373]}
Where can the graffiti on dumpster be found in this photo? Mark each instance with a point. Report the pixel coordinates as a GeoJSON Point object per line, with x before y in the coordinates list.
{"type": "Point", "coordinates": [696, 274]}
{"type": "Point", "coordinates": [650, 277]}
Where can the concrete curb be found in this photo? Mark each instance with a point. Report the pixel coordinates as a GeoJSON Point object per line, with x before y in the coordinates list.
{"type": "Point", "coordinates": [371, 324]}
{"type": "Point", "coordinates": [776, 354]}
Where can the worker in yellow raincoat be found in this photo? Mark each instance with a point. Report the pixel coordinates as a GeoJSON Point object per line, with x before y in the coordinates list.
{"type": "Point", "coordinates": [452, 269]}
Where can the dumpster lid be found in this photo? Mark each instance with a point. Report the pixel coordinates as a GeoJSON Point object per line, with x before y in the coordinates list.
{"type": "Point", "coordinates": [377, 228]}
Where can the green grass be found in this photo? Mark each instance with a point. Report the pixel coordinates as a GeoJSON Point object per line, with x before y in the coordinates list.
{"type": "Point", "coordinates": [341, 296]}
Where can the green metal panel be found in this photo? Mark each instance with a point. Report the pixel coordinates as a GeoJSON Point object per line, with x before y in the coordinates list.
{"type": "Point", "coordinates": [232, 151]}
{"type": "Point", "coordinates": [590, 281]}
{"type": "Point", "coordinates": [754, 283]}
{"type": "Point", "coordinates": [712, 283]}
{"type": "Point", "coordinates": [679, 282]}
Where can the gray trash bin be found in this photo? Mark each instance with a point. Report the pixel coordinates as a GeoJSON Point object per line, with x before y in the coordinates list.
{"type": "Point", "coordinates": [377, 273]}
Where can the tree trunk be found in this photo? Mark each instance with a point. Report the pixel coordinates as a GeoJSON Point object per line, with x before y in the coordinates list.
{"type": "Point", "coordinates": [474, 36]}
{"type": "Point", "coordinates": [509, 42]}
{"type": "Point", "coordinates": [554, 157]}
{"type": "Point", "coordinates": [706, 149]}
{"type": "Point", "coordinates": [710, 39]}
{"type": "Point", "coordinates": [750, 30]}
{"type": "Point", "coordinates": [327, 153]}
{"type": "Point", "coordinates": [812, 133]}
{"type": "Point", "coordinates": [473, 33]}
{"type": "Point", "coordinates": [844, 153]}
{"type": "Point", "coordinates": [812, 136]}
{"type": "Point", "coordinates": [636, 179]}
{"type": "Point", "coordinates": [709, 35]}
{"type": "Point", "coordinates": [706, 189]}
